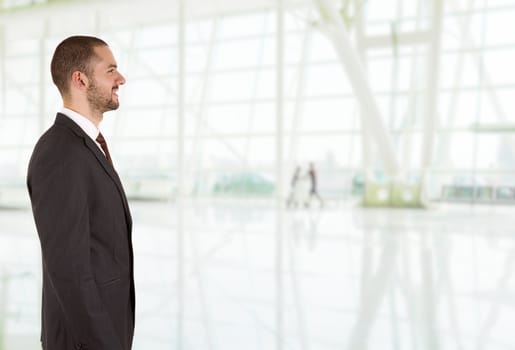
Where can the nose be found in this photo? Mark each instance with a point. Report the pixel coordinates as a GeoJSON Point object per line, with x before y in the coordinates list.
{"type": "Point", "coordinates": [121, 79]}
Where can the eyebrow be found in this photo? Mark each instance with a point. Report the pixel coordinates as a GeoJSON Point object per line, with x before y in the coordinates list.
{"type": "Point", "coordinates": [112, 65]}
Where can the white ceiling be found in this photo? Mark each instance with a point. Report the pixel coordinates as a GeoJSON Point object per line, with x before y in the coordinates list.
{"type": "Point", "coordinates": [56, 18]}
{"type": "Point", "coordinates": [130, 12]}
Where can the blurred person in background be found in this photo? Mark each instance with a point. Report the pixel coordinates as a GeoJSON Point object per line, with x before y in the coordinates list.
{"type": "Point", "coordinates": [313, 191]}
{"type": "Point", "coordinates": [293, 198]}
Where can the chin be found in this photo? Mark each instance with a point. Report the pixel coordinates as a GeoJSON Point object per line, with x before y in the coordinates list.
{"type": "Point", "coordinates": [113, 105]}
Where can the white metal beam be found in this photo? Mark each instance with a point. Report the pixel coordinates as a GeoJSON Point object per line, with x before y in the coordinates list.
{"type": "Point", "coordinates": [3, 78]}
{"type": "Point", "coordinates": [433, 68]}
{"type": "Point", "coordinates": [442, 154]}
{"type": "Point", "coordinates": [410, 113]}
{"type": "Point", "coordinates": [179, 202]}
{"type": "Point", "coordinates": [279, 180]}
{"type": "Point", "coordinates": [431, 102]}
{"type": "Point", "coordinates": [42, 77]}
{"type": "Point", "coordinates": [366, 138]}
{"type": "Point", "coordinates": [334, 27]}
{"type": "Point", "coordinates": [194, 163]}
{"type": "Point", "coordinates": [402, 39]}
{"type": "Point", "coordinates": [298, 109]}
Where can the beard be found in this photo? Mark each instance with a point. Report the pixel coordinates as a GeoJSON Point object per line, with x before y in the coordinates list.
{"type": "Point", "coordinates": [99, 100]}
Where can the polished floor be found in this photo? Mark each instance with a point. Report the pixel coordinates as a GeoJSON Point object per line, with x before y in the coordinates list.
{"type": "Point", "coordinates": [239, 275]}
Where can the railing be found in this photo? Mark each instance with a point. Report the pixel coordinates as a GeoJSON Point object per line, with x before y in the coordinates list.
{"type": "Point", "coordinates": [482, 194]}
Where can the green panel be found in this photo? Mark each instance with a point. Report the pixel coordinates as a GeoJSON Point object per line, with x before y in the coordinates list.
{"type": "Point", "coordinates": [376, 195]}
{"type": "Point", "coordinates": [392, 195]}
{"type": "Point", "coordinates": [406, 195]}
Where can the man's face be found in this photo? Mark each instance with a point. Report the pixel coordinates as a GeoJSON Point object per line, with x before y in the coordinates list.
{"type": "Point", "coordinates": [104, 81]}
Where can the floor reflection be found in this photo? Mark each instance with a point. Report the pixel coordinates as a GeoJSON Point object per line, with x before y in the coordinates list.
{"type": "Point", "coordinates": [350, 278]}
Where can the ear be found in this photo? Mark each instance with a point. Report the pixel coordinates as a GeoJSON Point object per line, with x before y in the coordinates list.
{"type": "Point", "coordinates": [79, 80]}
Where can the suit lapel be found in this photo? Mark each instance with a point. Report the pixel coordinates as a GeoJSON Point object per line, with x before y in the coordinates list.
{"type": "Point", "coordinates": [110, 171]}
{"type": "Point", "coordinates": [91, 145]}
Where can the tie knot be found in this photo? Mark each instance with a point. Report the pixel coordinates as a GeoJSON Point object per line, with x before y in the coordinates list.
{"type": "Point", "coordinates": [100, 138]}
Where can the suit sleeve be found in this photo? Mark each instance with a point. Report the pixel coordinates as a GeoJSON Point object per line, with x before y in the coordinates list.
{"type": "Point", "coordinates": [59, 195]}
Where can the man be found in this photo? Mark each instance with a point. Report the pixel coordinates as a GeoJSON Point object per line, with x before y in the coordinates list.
{"type": "Point", "coordinates": [313, 190]}
{"type": "Point", "coordinates": [80, 209]}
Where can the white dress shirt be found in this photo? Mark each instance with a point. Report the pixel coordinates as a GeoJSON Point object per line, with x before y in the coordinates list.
{"type": "Point", "coordinates": [85, 124]}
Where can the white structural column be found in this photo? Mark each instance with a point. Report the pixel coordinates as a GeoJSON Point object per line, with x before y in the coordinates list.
{"type": "Point", "coordinates": [190, 170]}
{"type": "Point", "coordinates": [410, 117]}
{"type": "Point", "coordinates": [180, 176]}
{"type": "Point", "coordinates": [42, 76]}
{"type": "Point", "coordinates": [366, 139]}
{"type": "Point", "coordinates": [3, 79]}
{"type": "Point", "coordinates": [298, 109]}
{"type": "Point", "coordinates": [3, 306]}
{"type": "Point", "coordinates": [255, 91]}
{"type": "Point", "coordinates": [333, 25]}
{"type": "Point", "coordinates": [442, 153]}
{"type": "Point", "coordinates": [279, 164]}
{"type": "Point", "coordinates": [130, 53]}
{"type": "Point", "coordinates": [193, 165]}
{"type": "Point", "coordinates": [433, 68]}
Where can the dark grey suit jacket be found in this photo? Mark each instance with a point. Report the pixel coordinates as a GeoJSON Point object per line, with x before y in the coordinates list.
{"type": "Point", "coordinates": [84, 226]}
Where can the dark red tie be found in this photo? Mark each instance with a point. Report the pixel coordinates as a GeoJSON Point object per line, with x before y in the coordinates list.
{"type": "Point", "coordinates": [103, 144]}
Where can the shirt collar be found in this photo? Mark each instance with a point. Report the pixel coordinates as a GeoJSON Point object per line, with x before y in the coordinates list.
{"type": "Point", "coordinates": [85, 124]}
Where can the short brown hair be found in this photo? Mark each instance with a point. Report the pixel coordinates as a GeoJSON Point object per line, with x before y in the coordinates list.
{"type": "Point", "coordinates": [73, 54]}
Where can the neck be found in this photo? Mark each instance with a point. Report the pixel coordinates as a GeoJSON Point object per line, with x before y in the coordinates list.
{"type": "Point", "coordinates": [94, 116]}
